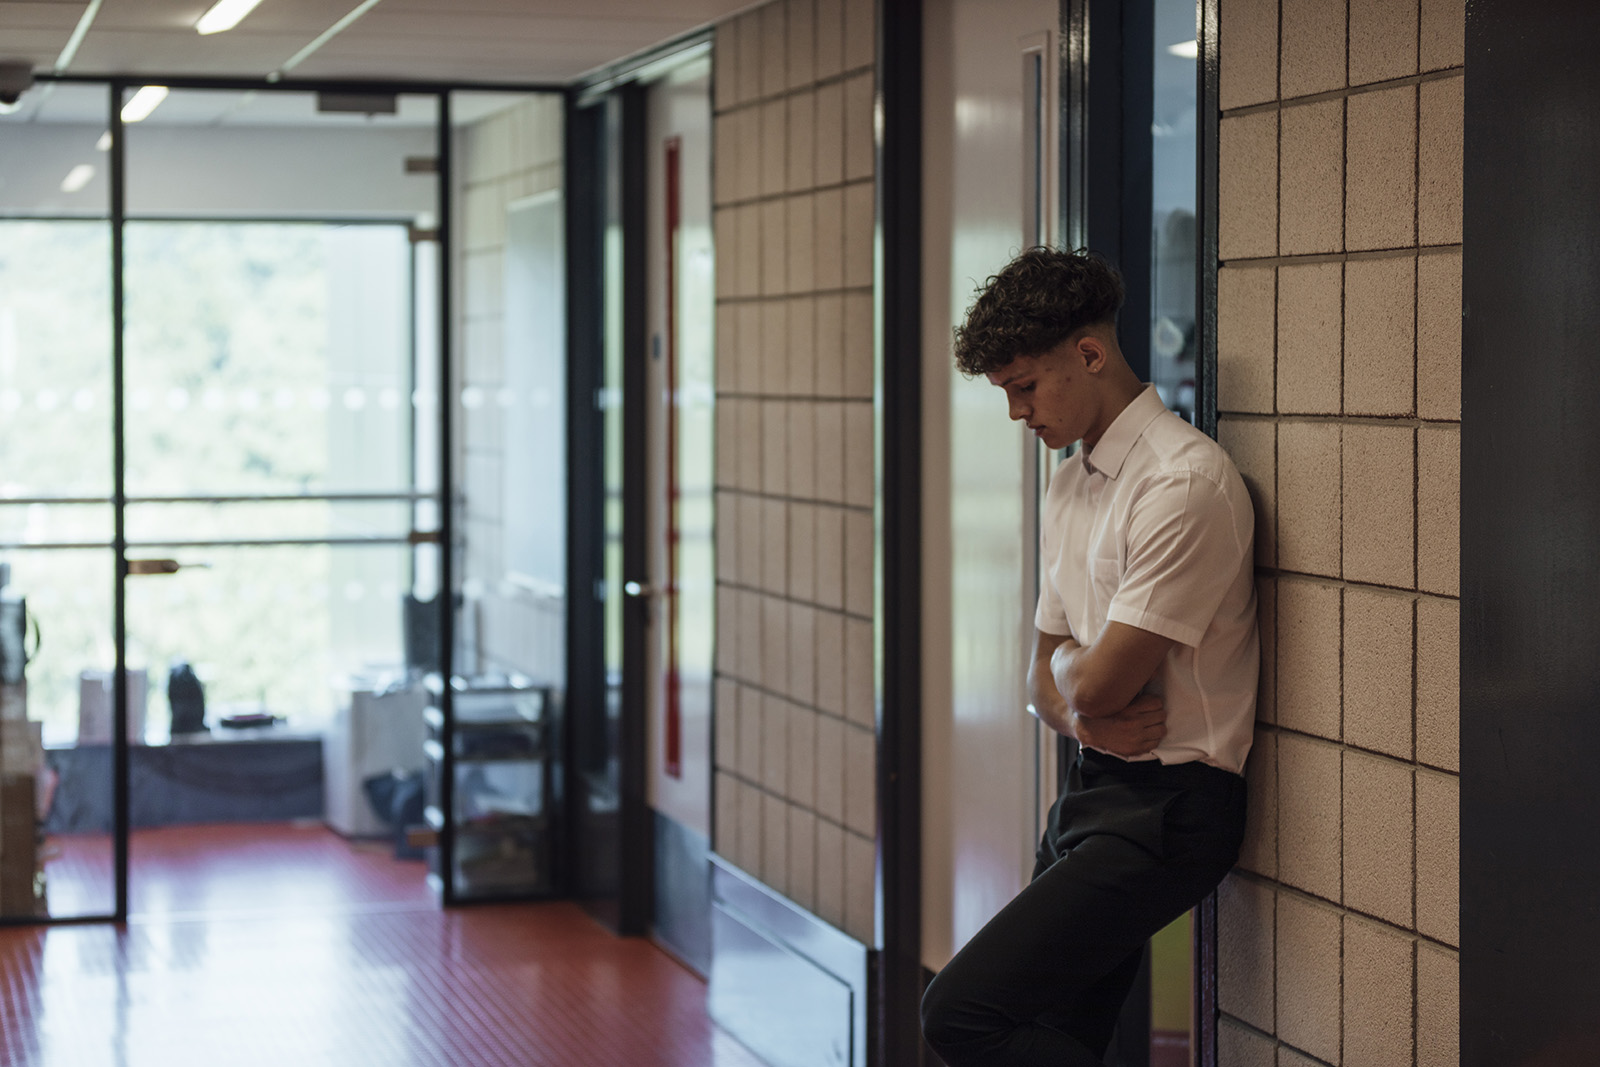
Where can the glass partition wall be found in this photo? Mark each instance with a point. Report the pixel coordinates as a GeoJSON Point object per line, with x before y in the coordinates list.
{"type": "Point", "coordinates": [57, 519]}
{"type": "Point", "coordinates": [227, 432]}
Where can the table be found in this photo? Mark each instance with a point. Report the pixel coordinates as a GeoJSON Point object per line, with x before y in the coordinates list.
{"type": "Point", "coordinates": [265, 774]}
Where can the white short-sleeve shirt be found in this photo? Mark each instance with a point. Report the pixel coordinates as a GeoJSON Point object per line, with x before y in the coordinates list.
{"type": "Point", "coordinates": [1153, 528]}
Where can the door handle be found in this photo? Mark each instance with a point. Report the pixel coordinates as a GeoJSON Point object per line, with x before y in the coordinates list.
{"type": "Point", "coordinates": [153, 566]}
{"type": "Point", "coordinates": [640, 589]}
{"type": "Point", "coordinates": [157, 566]}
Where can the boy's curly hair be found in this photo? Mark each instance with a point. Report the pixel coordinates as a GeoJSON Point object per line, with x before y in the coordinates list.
{"type": "Point", "coordinates": [1037, 301]}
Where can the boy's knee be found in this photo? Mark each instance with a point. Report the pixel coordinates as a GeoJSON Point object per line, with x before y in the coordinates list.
{"type": "Point", "coordinates": [941, 1013]}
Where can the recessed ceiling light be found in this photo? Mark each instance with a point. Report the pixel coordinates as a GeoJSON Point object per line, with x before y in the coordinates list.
{"type": "Point", "coordinates": [104, 143]}
{"type": "Point", "coordinates": [1184, 49]}
{"type": "Point", "coordinates": [77, 178]}
{"type": "Point", "coordinates": [146, 100]}
{"type": "Point", "coordinates": [225, 15]}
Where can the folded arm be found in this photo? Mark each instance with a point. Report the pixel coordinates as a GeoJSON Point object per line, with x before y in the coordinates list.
{"type": "Point", "coordinates": [1093, 692]}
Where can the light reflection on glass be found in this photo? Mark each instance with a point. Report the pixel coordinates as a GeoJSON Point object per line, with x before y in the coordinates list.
{"type": "Point", "coordinates": [1172, 209]}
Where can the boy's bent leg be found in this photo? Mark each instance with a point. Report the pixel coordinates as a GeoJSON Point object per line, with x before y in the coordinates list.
{"type": "Point", "coordinates": [1033, 986]}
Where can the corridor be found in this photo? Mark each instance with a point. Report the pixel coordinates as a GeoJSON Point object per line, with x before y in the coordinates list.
{"type": "Point", "coordinates": [356, 968]}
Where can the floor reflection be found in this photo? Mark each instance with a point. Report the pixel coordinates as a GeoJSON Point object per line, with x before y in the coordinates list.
{"type": "Point", "coordinates": [276, 945]}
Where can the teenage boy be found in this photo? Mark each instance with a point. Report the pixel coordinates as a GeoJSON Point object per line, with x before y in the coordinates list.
{"type": "Point", "coordinates": [1145, 652]}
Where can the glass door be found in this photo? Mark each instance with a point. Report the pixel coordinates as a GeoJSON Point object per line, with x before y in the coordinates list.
{"type": "Point", "coordinates": [57, 520]}
{"type": "Point", "coordinates": [282, 528]}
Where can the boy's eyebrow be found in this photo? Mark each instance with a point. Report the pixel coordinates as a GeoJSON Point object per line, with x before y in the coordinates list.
{"type": "Point", "coordinates": [1023, 373]}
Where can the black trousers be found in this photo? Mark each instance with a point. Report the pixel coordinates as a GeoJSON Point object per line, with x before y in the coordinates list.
{"type": "Point", "coordinates": [1129, 848]}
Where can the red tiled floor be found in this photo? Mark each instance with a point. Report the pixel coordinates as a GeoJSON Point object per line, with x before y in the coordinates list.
{"type": "Point", "coordinates": [267, 953]}
{"type": "Point", "coordinates": [231, 867]}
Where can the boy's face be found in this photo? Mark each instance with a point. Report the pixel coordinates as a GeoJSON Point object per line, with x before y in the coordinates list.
{"type": "Point", "coordinates": [1051, 393]}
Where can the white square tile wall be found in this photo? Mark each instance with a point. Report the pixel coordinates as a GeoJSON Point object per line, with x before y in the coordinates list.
{"type": "Point", "coordinates": [795, 205]}
{"type": "Point", "coordinates": [1339, 335]}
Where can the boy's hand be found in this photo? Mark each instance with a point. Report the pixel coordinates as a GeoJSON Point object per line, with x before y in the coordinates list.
{"type": "Point", "coordinates": [1133, 731]}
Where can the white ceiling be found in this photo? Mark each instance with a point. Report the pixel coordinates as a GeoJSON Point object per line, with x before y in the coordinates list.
{"type": "Point", "coordinates": [525, 41]}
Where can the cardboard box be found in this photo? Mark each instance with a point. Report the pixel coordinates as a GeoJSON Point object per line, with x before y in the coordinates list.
{"type": "Point", "coordinates": [20, 749]}
{"type": "Point", "coordinates": [19, 851]}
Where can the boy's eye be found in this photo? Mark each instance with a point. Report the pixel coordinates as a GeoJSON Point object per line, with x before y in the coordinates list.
{"type": "Point", "coordinates": [1026, 388]}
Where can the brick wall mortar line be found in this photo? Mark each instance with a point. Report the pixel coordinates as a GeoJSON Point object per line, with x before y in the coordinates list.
{"type": "Point", "coordinates": [795, 90]}
{"type": "Point", "coordinates": [795, 398]}
{"type": "Point", "coordinates": [766, 790]}
{"type": "Point", "coordinates": [790, 194]}
{"type": "Point", "coordinates": [1245, 263]}
{"type": "Point", "coordinates": [1349, 91]}
{"type": "Point", "coordinates": [792, 601]}
{"type": "Point", "coordinates": [1285, 889]}
{"type": "Point", "coordinates": [1277, 1044]}
{"type": "Point", "coordinates": [1346, 746]}
{"type": "Point", "coordinates": [1341, 420]}
{"type": "Point", "coordinates": [772, 297]}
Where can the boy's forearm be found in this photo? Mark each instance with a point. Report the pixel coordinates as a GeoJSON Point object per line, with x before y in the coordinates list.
{"type": "Point", "coordinates": [1047, 701]}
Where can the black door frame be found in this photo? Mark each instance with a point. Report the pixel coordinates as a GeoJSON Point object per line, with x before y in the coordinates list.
{"type": "Point", "coordinates": [116, 86]}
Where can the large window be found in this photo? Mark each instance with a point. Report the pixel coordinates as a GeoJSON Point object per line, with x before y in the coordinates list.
{"type": "Point", "coordinates": [264, 362]}
{"type": "Point", "coordinates": [269, 413]}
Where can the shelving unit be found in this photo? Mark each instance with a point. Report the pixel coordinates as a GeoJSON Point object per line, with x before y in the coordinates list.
{"type": "Point", "coordinates": [502, 805]}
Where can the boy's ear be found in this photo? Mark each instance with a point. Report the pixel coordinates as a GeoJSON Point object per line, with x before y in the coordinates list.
{"type": "Point", "coordinates": [1093, 351]}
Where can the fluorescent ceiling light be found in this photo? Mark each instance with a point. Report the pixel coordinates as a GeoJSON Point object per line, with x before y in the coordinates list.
{"type": "Point", "coordinates": [146, 100]}
{"type": "Point", "coordinates": [77, 178]}
{"type": "Point", "coordinates": [1185, 49]}
{"type": "Point", "coordinates": [225, 15]}
{"type": "Point", "coordinates": [104, 143]}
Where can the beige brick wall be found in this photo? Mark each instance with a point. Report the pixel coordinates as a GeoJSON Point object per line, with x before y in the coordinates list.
{"type": "Point", "coordinates": [1339, 391]}
{"type": "Point", "coordinates": [794, 212]}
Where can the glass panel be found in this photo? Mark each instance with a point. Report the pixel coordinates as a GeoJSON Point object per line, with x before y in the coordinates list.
{"type": "Point", "coordinates": [56, 636]}
{"type": "Point", "coordinates": [1173, 250]}
{"type": "Point", "coordinates": [234, 519]}
{"type": "Point", "coordinates": [55, 164]}
{"type": "Point", "coordinates": [275, 379]}
{"type": "Point", "coordinates": [278, 352]}
{"type": "Point", "coordinates": [278, 630]}
{"type": "Point", "coordinates": [510, 501]}
{"type": "Point", "coordinates": [55, 358]}
{"type": "Point", "coordinates": [55, 731]}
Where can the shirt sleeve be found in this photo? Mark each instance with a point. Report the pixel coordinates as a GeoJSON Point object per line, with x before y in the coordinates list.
{"type": "Point", "coordinates": [1187, 537]}
{"type": "Point", "coordinates": [1050, 615]}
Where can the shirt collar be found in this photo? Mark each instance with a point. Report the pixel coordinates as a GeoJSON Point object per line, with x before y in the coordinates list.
{"type": "Point", "coordinates": [1125, 430]}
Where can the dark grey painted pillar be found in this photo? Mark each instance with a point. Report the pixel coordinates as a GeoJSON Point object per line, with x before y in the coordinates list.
{"type": "Point", "coordinates": [1530, 540]}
